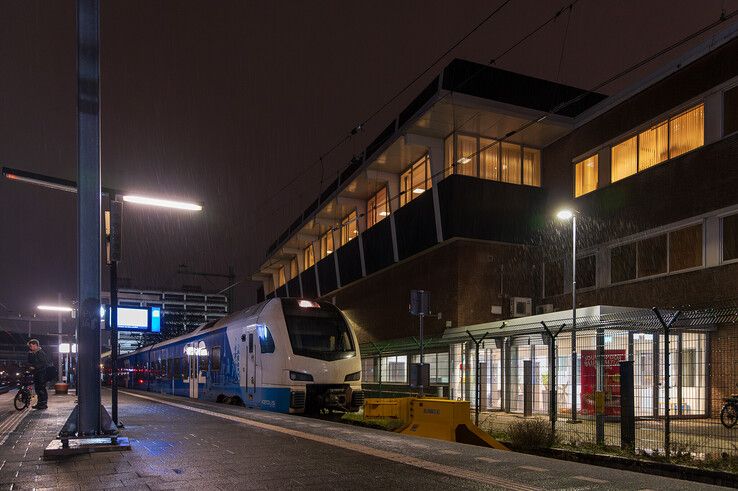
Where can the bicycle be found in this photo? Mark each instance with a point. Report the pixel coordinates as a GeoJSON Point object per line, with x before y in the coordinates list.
{"type": "Point", "coordinates": [24, 397]}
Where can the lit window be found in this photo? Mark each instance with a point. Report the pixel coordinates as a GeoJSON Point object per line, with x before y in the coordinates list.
{"type": "Point", "coordinates": [625, 159]}
{"type": "Point", "coordinates": [293, 268]}
{"type": "Point", "coordinates": [415, 181]}
{"type": "Point", "coordinates": [377, 208]}
{"type": "Point", "coordinates": [438, 366]}
{"type": "Point", "coordinates": [687, 131]}
{"type": "Point", "coordinates": [448, 156]}
{"type": "Point", "coordinates": [349, 228]}
{"type": "Point", "coordinates": [531, 167]}
{"type": "Point", "coordinates": [510, 159]}
{"type": "Point", "coordinates": [586, 176]}
{"type": "Point", "coordinates": [466, 162]}
{"type": "Point", "coordinates": [653, 146]}
{"type": "Point", "coordinates": [393, 369]}
{"type": "Point", "coordinates": [309, 256]}
{"type": "Point", "coordinates": [489, 159]}
{"type": "Point", "coordinates": [326, 244]}
{"type": "Point", "coordinates": [280, 277]}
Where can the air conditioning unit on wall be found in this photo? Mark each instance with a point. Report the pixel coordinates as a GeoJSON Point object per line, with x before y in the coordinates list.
{"type": "Point", "coordinates": [521, 306]}
{"type": "Point", "coordinates": [546, 308]}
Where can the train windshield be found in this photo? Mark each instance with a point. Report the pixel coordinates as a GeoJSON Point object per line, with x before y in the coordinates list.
{"type": "Point", "coordinates": [317, 330]}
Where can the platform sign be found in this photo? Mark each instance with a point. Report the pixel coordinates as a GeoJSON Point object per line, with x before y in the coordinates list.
{"type": "Point", "coordinates": [138, 319]}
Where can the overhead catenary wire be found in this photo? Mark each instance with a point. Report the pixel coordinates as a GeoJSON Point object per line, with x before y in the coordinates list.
{"type": "Point", "coordinates": [622, 73]}
{"type": "Point", "coordinates": [723, 18]}
{"type": "Point", "coordinates": [359, 127]}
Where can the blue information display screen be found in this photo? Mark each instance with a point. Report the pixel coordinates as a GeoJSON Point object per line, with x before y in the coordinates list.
{"type": "Point", "coordinates": [144, 319]}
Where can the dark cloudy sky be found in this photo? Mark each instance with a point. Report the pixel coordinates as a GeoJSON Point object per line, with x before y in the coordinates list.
{"type": "Point", "coordinates": [225, 102]}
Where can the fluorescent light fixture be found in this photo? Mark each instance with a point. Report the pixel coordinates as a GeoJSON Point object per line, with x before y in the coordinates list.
{"type": "Point", "coordinates": [55, 308]}
{"type": "Point", "coordinates": [102, 311]}
{"type": "Point", "coordinates": [41, 182]}
{"type": "Point", "coordinates": [64, 348]}
{"type": "Point", "coordinates": [565, 215]}
{"type": "Point", "coordinates": [165, 203]}
{"type": "Point", "coordinates": [463, 160]}
{"type": "Point", "coordinates": [418, 191]}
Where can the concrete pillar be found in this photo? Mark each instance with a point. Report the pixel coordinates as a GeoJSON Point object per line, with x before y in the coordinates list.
{"type": "Point", "coordinates": [336, 245]}
{"type": "Point", "coordinates": [604, 158]}
{"type": "Point", "coordinates": [713, 117]}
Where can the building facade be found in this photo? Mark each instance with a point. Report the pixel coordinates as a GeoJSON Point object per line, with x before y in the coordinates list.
{"type": "Point", "coordinates": [458, 197]}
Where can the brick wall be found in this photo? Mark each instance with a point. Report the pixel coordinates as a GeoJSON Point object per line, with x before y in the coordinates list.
{"type": "Point", "coordinates": [465, 278]}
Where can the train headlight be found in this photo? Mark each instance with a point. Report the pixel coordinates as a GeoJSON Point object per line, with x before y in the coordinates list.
{"type": "Point", "coordinates": [351, 377]}
{"type": "Point", "coordinates": [304, 377]}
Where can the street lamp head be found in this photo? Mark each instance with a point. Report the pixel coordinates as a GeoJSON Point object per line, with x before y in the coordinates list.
{"type": "Point", "coordinates": [165, 203]}
{"type": "Point", "coordinates": [55, 308]}
{"type": "Point", "coordinates": [565, 215]}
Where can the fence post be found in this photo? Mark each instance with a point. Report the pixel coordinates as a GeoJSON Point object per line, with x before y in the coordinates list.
{"type": "Point", "coordinates": [667, 409]}
{"type": "Point", "coordinates": [627, 406]}
{"type": "Point", "coordinates": [600, 387]}
{"type": "Point", "coordinates": [553, 395]}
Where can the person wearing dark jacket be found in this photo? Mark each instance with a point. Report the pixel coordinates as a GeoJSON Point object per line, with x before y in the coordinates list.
{"type": "Point", "coordinates": [38, 362]}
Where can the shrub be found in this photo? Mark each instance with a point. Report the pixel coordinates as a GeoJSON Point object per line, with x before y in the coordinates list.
{"type": "Point", "coordinates": [531, 434]}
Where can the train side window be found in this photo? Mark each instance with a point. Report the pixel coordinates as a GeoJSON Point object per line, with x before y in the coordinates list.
{"type": "Point", "coordinates": [251, 342]}
{"type": "Point", "coordinates": [266, 341]}
{"type": "Point", "coordinates": [215, 358]}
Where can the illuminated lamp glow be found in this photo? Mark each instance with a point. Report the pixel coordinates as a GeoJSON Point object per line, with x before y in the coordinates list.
{"type": "Point", "coordinates": [463, 160]}
{"type": "Point", "coordinates": [565, 215]}
{"type": "Point", "coordinates": [165, 203]}
{"type": "Point", "coordinates": [418, 191]}
{"type": "Point", "coordinates": [64, 348]}
{"type": "Point", "coordinates": [308, 304]}
{"type": "Point", "coordinates": [329, 251]}
{"type": "Point", "coordinates": [55, 308]}
{"type": "Point", "coordinates": [383, 213]}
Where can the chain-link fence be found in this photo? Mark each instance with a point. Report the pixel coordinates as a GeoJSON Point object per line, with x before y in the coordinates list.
{"type": "Point", "coordinates": [651, 381]}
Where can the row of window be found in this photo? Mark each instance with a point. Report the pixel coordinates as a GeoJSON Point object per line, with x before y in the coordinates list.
{"type": "Point", "coordinates": [489, 159]}
{"type": "Point", "coordinates": [395, 369]}
{"type": "Point", "coordinates": [677, 250]}
{"type": "Point", "coordinates": [664, 140]}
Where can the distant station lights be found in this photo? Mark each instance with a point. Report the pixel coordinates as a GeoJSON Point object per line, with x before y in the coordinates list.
{"type": "Point", "coordinates": [55, 308]}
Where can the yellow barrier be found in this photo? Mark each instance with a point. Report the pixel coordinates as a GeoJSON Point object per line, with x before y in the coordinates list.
{"type": "Point", "coordinates": [431, 417]}
{"type": "Point", "coordinates": [394, 408]}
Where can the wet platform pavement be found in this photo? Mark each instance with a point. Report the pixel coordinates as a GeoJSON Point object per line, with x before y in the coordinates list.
{"type": "Point", "coordinates": [183, 444]}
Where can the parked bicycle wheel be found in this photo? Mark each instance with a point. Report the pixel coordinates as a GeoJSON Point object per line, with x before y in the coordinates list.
{"type": "Point", "coordinates": [729, 416]}
{"type": "Point", "coordinates": [22, 400]}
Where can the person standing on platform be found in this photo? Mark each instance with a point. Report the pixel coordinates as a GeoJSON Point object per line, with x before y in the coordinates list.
{"type": "Point", "coordinates": [38, 362]}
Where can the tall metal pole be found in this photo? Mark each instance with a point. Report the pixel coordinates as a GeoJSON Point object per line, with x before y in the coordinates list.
{"type": "Point", "coordinates": [574, 318]}
{"type": "Point", "coordinates": [420, 375]}
{"type": "Point", "coordinates": [114, 339]}
{"type": "Point", "coordinates": [59, 338]}
{"type": "Point", "coordinates": [88, 206]}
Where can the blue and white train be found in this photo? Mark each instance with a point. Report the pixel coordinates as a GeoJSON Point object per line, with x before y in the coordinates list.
{"type": "Point", "coordinates": [285, 354]}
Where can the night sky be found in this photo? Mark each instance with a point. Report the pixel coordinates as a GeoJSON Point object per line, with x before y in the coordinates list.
{"type": "Point", "coordinates": [226, 102]}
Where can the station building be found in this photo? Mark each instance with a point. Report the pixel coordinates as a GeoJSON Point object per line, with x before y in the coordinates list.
{"type": "Point", "coordinates": [458, 196]}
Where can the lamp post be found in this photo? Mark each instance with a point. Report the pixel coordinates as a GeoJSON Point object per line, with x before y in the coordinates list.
{"type": "Point", "coordinates": [571, 215]}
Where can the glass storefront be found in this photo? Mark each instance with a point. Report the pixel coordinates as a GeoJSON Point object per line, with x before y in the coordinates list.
{"type": "Point", "coordinates": [505, 364]}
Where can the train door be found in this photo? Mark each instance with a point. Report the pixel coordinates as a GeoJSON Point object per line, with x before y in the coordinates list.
{"type": "Point", "coordinates": [192, 351]}
{"type": "Point", "coordinates": [248, 366]}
